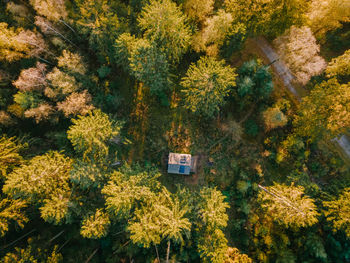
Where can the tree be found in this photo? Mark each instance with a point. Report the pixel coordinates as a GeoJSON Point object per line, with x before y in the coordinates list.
{"type": "Point", "coordinates": [61, 84]}
{"type": "Point", "coordinates": [326, 15]}
{"type": "Point", "coordinates": [274, 118]}
{"type": "Point", "coordinates": [337, 211]}
{"type": "Point", "coordinates": [76, 103]}
{"type": "Point", "coordinates": [254, 82]}
{"type": "Point", "coordinates": [43, 181]}
{"type": "Point", "coordinates": [127, 189]}
{"type": "Point", "coordinates": [288, 205]}
{"type": "Point", "coordinates": [96, 225]}
{"type": "Point", "coordinates": [29, 254]}
{"type": "Point", "coordinates": [11, 46]}
{"type": "Point", "coordinates": [32, 78]}
{"type": "Point", "coordinates": [71, 62]}
{"type": "Point", "coordinates": [339, 66]}
{"type": "Point", "coordinates": [299, 50]}
{"type": "Point", "coordinates": [144, 61]}
{"type": "Point", "coordinates": [212, 244]}
{"type": "Point", "coordinates": [164, 24]}
{"type": "Point", "coordinates": [28, 99]}
{"type": "Point", "coordinates": [99, 22]}
{"type": "Point", "coordinates": [12, 210]}
{"type": "Point", "coordinates": [212, 36]}
{"type": "Point", "coordinates": [233, 256]}
{"type": "Point", "coordinates": [42, 112]}
{"type": "Point", "coordinates": [198, 10]}
{"type": "Point", "coordinates": [206, 85]}
{"type": "Point", "coordinates": [269, 18]}
{"type": "Point", "coordinates": [90, 134]}
{"type": "Point", "coordinates": [162, 217]}
{"type": "Point", "coordinates": [324, 113]}
{"type": "Point", "coordinates": [9, 154]}
{"type": "Point", "coordinates": [54, 10]}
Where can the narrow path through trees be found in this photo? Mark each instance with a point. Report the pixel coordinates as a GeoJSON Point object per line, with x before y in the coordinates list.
{"type": "Point", "coordinates": [287, 77]}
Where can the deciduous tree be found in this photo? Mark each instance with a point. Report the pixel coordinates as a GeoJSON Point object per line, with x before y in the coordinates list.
{"type": "Point", "coordinates": [339, 66]}
{"type": "Point", "coordinates": [32, 78]}
{"type": "Point", "coordinates": [324, 113]}
{"type": "Point", "coordinates": [299, 50]}
{"type": "Point", "coordinates": [76, 103]}
{"type": "Point", "coordinates": [9, 154]}
{"type": "Point", "coordinates": [96, 225]}
{"type": "Point", "coordinates": [326, 15]}
{"type": "Point", "coordinates": [12, 210]}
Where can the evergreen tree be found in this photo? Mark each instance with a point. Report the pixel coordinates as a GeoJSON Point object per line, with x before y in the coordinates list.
{"type": "Point", "coordinates": [96, 225]}
{"type": "Point", "coordinates": [254, 83]}
{"type": "Point", "coordinates": [206, 84]}
{"type": "Point", "coordinates": [44, 182]}
{"type": "Point", "coordinates": [338, 212]}
{"type": "Point", "coordinates": [12, 210]}
{"type": "Point", "coordinates": [9, 154]}
{"type": "Point", "coordinates": [164, 24]}
{"type": "Point", "coordinates": [288, 205]}
{"type": "Point", "coordinates": [90, 134]}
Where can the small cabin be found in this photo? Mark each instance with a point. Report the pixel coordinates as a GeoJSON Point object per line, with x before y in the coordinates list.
{"type": "Point", "coordinates": [181, 163]}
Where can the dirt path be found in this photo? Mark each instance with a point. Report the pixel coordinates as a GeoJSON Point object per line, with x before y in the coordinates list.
{"type": "Point", "coordinates": [287, 77]}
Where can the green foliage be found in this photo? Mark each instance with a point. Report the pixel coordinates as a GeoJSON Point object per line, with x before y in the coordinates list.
{"type": "Point", "coordinates": [234, 40]}
{"type": "Point", "coordinates": [338, 211]}
{"type": "Point", "coordinates": [27, 100]}
{"type": "Point", "coordinates": [90, 134]}
{"type": "Point", "coordinates": [339, 66]}
{"type": "Point", "coordinates": [288, 205]}
{"type": "Point", "coordinates": [43, 181]}
{"type": "Point", "coordinates": [269, 18]}
{"type": "Point", "coordinates": [324, 112]}
{"type": "Point", "coordinates": [96, 225]}
{"type": "Point", "coordinates": [164, 24]}
{"type": "Point", "coordinates": [254, 82]}
{"type": "Point", "coordinates": [212, 246]}
{"type": "Point", "coordinates": [213, 209]}
{"type": "Point", "coordinates": [12, 210]}
{"type": "Point", "coordinates": [127, 188]}
{"type": "Point", "coordinates": [206, 84]}
{"type": "Point", "coordinates": [87, 174]}
{"type": "Point", "coordinates": [251, 127]}
{"type": "Point", "coordinates": [144, 61]}
{"type": "Point", "coordinates": [28, 254]}
{"type": "Point", "coordinates": [161, 217]}
{"type": "Point", "coordinates": [9, 154]}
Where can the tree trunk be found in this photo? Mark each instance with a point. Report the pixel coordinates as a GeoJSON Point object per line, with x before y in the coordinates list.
{"type": "Point", "coordinates": [157, 253]}
{"type": "Point", "coordinates": [168, 252]}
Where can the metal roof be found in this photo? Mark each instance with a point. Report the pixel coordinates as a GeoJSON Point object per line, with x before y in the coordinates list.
{"type": "Point", "coordinates": [179, 163]}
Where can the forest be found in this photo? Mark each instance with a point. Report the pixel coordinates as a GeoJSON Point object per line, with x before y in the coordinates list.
{"type": "Point", "coordinates": [96, 94]}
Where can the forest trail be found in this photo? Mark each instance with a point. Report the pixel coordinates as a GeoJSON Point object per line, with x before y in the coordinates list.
{"type": "Point", "coordinates": [287, 77]}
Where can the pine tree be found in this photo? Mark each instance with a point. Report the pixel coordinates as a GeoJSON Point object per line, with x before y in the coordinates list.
{"type": "Point", "coordinates": [254, 82]}
{"type": "Point", "coordinates": [206, 84]}
{"type": "Point", "coordinates": [128, 188]}
{"type": "Point", "coordinates": [44, 181]}
{"type": "Point", "coordinates": [338, 211]}
{"type": "Point", "coordinates": [288, 205]}
{"type": "Point", "coordinates": [12, 210]}
{"type": "Point", "coordinates": [164, 24]}
{"type": "Point", "coordinates": [96, 225]}
{"type": "Point", "coordinates": [9, 154]}
{"type": "Point", "coordinates": [90, 134]}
